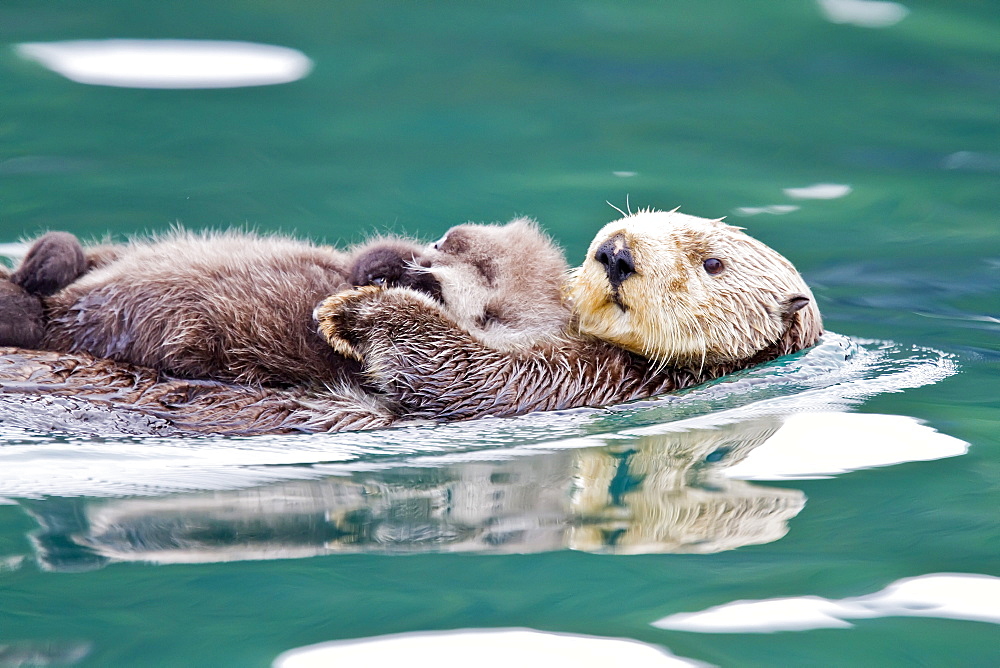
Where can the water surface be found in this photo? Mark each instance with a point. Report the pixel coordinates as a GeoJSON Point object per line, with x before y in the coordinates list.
{"type": "Point", "coordinates": [848, 495]}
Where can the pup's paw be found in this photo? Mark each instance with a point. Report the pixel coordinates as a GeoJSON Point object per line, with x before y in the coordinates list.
{"type": "Point", "coordinates": [344, 318]}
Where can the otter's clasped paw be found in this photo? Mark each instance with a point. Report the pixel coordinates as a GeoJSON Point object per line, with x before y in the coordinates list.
{"type": "Point", "coordinates": [339, 318]}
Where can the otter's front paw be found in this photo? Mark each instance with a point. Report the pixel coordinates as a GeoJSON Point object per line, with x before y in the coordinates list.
{"type": "Point", "coordinates": [357, 323]}
{"type": "Point", "coordinates": [345, 317]}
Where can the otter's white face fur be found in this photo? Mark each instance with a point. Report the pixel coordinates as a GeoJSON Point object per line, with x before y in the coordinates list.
{"type": "Point", "coordinates": [684, 290]}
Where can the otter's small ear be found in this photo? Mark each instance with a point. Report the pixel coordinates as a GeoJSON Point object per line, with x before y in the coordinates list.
{"type": "Point", "coordinates": [793, 304]}
{"type": "Point", "coordinates": [802, 330]}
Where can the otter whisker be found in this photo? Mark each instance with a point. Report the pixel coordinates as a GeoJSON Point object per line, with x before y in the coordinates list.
{"type": "Point", "coordinates": [704, 354]}
{"type": "Point", "coordinates": [660, 366]}
{"type": "Point", "coordinates": [616, 208]}
{"type": "Point", "coordinates": [416, 266]}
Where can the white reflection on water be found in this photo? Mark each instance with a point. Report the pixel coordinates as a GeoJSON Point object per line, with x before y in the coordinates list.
{"type": "Point", "coordinates": [11, 563]}
{"type": "Point", "coordinates": [483, 648]}
{"type": "Point", "coordinates": [821, 445]}
{"type": "Point", "coordinates": [42, 653]}
{"type": "Point", "coordinates": [179, 63]}
{"type": "Point", "coordinates": [819, 191]}
{"type": "Point", "coordinates": [815, 191]}
{"type": "Point", "coordinates": [774, 209]}
{"type": "Point", "coordinates": [972, 161]}
{"type": "Point", "coordinates": [863, 13]}
{"type": "Point", "coordinates": [943, 595]}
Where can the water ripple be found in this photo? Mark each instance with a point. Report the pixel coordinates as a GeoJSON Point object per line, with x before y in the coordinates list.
{"type": "Point", "coordinates": [834, 376]}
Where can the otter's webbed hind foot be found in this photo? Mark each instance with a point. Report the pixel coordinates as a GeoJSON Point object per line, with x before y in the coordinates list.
{"type": "Point", "coordinates": [54, 261]}
{"type": "Point", "coordinates": [22, 320]}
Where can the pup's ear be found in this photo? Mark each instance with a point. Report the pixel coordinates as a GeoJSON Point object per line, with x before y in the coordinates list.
{"type": "Point", "coordinates": [802, 321]}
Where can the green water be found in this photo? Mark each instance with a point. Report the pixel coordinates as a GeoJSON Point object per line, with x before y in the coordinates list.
{"type": "Point", "coordinates": [419, 116]}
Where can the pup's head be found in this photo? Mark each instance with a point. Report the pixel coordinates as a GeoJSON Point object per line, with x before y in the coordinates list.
{"type": "Point", "coordinates": [500, 276]}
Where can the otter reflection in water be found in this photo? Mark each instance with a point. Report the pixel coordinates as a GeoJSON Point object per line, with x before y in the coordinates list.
{"type": "Point", "coordinates": [661, 493]}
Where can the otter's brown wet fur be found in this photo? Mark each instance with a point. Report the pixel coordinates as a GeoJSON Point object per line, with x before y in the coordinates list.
{"type": "Point", "coordinates": [231, 306]}
{"type": "Point", "coordinates": [162, 406]}
{"type": "Point", "coordinates": [652, 315]}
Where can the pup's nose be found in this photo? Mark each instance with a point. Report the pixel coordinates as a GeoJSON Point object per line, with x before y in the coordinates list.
{"type": "Point", "coordinates": [616, 257]}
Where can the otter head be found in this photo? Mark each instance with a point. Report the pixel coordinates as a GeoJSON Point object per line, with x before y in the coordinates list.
{"type": "Point", "coordinates": [500, 277]}
{"type": "Point", "coordinates": [687, 291]}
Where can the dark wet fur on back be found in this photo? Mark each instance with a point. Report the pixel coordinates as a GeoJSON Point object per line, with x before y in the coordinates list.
{"type": "Point", "coordinates": [188, 406]}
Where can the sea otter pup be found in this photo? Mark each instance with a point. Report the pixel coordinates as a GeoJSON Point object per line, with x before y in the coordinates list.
{"type": "Point", "coordinates": [237, 307]}
{"type": "Point", "coordinates": [473, 271]}
{"type": "Point", "coordinates": [663, 301]}
{"type": "Point", "coordinates": [230, 306]}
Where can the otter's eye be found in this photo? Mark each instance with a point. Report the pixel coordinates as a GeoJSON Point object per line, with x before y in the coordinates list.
{"type": "Point", "coordinates": [440, 242]}
{"type": "Point", "coordinates": [713, 266]}
{"type": "Point", "coordinates": [377, 280]}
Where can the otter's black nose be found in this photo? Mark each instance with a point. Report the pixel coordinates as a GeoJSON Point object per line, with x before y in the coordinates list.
{"type": "Point", "coordinates": [616, 257]}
